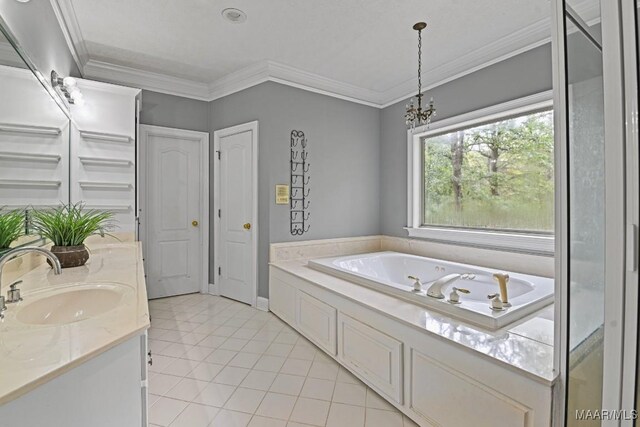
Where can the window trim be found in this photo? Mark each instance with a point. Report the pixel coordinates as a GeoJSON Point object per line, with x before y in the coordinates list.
{"type": "Point", "coordinates": [533, 243]}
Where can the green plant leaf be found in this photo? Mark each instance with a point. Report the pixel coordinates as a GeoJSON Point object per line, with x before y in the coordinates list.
{"type": "Point", "coordinates": [11, 226]}
{"type": "Point", "coordinates": [72, 224]}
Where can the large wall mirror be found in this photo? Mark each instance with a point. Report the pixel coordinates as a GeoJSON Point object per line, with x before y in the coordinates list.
{"type": "Point", "coordinates": [34, 145]}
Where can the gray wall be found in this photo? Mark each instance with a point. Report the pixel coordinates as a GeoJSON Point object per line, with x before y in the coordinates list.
{"type": "Point", "coordinates": [160, 109]}
{"type": "Point", "coordinates": [344, 152]}
{"type": "Point", "coordinates": [36, 28]}
{"type": "Point", "coordinates": [516, 77]}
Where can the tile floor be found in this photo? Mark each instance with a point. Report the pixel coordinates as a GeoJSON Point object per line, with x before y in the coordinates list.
{"type": "Point", "coordinates": [220, 363]}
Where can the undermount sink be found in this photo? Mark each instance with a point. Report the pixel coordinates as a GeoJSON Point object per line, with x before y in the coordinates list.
{"type": "Point", "coordinates": [70, 304]}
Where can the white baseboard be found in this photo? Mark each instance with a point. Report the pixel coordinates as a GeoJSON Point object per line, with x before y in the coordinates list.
{"type": "Point", "coordinates": [262, 304]}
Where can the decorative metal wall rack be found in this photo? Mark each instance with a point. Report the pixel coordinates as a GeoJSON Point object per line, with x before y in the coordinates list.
{"type": "Point", "coordinates": [299, 199]}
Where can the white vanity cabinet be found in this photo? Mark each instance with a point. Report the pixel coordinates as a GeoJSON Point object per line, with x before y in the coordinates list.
{"type": "Point", "coordinates": [433, 381]}
{"type": "Point", "coordinates": [104, 149]}
{"type": "Point", "coordinates": [106, 391]}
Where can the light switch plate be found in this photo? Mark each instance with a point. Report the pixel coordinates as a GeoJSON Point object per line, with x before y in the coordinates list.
{"type": "Point", "coordinates": [282, 194]}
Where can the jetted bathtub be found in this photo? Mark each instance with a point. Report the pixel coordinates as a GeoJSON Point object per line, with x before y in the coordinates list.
{"type": "Point", "coordinates": [389, 272]}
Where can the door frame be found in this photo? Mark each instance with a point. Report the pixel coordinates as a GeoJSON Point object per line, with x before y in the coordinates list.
{"type": "Point", "coordinates": [631, 354]}
{"type": "Point", "coordinates": [203, 140]}
{"type": "Point", "coordinates": [217, 135]}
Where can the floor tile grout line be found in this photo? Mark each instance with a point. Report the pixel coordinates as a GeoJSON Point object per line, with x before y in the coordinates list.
{"type": "Point", "coordinates": [280, 330]}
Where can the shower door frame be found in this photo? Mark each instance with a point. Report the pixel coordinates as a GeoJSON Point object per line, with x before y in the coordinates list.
{"type": "Point", "coordinates": [630, 27]}
{"type": "Point", "coordinates": [561, 211]}
{"type": "Point", "coordinates": [617, 375]}
{"type": "Point", "coordinates": [621, 207]}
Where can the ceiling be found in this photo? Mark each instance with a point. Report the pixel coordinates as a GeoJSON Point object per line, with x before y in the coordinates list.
{"type": "Point", "coordinates": [364, 50]}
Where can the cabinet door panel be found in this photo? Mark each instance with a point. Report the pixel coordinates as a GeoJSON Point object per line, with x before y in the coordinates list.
{"type": "Point", "coordinates": [448, 398]}
{"type": "Point", "coordinates": [282, 299]}
{"type": "Point", "coordinates": [375, 356]}
{"type": "Point", "coordinates": [317, 321]}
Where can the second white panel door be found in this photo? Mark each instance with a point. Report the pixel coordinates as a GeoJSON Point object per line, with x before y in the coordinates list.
{"type": "Point", "coordinates": [236, 240]}
{"type": "Point", "coordinates": [174, 181]}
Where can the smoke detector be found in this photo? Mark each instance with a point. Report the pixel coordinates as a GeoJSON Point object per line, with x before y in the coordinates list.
{"type": "Point", "coordinates": [234, 15]}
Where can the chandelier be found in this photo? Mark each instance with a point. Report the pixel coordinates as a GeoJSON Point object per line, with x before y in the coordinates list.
{"type": "Point", "coordinates": [417, 116]}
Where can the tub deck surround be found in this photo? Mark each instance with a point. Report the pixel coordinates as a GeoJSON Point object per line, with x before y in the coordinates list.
{"type": "Point", "coordinates": [526, 347]}
{"type": "Point", "coordinates": [535, 265]}
{"type": "Point", "coordinates": [324, 248]}
{"type": "Point", "coordinates": [31, 355]}
{"type": "Point", "coordinates": [394, 273]}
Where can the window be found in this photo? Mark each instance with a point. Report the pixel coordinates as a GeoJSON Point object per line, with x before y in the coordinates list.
{"type": "Point", "coordinates": [486, 178]}
{"type": "Point", "coordinates": [495, 176]}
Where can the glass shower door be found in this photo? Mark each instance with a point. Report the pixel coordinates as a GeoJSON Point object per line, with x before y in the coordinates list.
{"type": "Point", "coordinates": [586, 211]}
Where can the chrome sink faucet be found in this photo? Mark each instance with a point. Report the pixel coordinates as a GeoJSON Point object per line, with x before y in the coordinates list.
{"type": "Point", "coordinates": [21, 251]}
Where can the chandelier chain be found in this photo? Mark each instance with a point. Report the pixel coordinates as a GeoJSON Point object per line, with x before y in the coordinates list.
{"type": "Point", "coordinates": [415, 115]}
{"type": "Point", "coordinates": [420, 68]}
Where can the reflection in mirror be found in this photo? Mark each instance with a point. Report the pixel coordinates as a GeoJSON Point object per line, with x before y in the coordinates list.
{"type": "Point", "coordinates": [34, 149]}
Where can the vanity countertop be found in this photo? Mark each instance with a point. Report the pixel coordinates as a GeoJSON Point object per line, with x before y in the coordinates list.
{"type": "Point", "coordinates": [525, 346]}
{"type": "Point", "coordinates": [31, 355]}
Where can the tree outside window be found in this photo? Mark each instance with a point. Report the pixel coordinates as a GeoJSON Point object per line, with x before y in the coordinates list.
{"type": "Point", "coordinates": [497, 176]}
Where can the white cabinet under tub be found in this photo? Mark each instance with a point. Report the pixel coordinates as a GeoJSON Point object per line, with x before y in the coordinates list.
{"type": "Point", "coordinates": [371, 354]}
{"type": "Point", "coordinates": [436, 386]}
{"type": "Point", "coordinates": [317, 321]}
{"type": "Point", "coordinates": [434, 382]}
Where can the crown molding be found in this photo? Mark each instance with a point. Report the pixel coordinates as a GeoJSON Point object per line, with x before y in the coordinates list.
{"type": "Point", "coordinates": [68, 21]}
{"type": "Point", "coordinates": [239, 80]}
{"type": "Point", "coordinates": [292, 76]}
{"type": "Point", "coordinates": [516, 43]}
{"type": "Point", "coordinates": [275, 72]}
{"type": "Point", "coordinates": [119, 74]}
{"type": "Point", "coordinates": [529, 37]}
{"type": "Point", "coordinates": [101, 86]}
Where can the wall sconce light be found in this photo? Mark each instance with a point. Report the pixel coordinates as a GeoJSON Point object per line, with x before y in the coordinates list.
{"type": "Point", "coordinates": [69, 88]}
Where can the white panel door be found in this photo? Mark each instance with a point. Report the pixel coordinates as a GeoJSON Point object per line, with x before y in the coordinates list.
{"type": "Point", "coordinates": [174, 182]}
{"type": "Point", "coordinates": [236, 224]}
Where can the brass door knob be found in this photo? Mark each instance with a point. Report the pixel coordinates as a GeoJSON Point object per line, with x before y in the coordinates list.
{"type": "Point", "coordinates": [194, 223]}
{"type": "Point", "coordinates": [247, 226]}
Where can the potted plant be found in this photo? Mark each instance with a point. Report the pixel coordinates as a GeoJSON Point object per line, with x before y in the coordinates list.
{"type": "Point", "coordinates": [11, 227]}
{"type": "Point", "coordinates": [68, 226]}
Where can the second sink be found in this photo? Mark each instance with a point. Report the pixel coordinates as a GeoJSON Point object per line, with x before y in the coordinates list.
{"type": "Point", "coordinates": [71, 304]}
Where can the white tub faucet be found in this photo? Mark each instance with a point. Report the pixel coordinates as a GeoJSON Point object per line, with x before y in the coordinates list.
{"type": "Point", "coordinates": [417, 284]}
{"type": "Point", "coordinates": [435, 290]}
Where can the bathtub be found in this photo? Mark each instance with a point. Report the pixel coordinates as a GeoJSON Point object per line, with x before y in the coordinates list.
{"type": "Point", "coordinates": [388, 272]}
